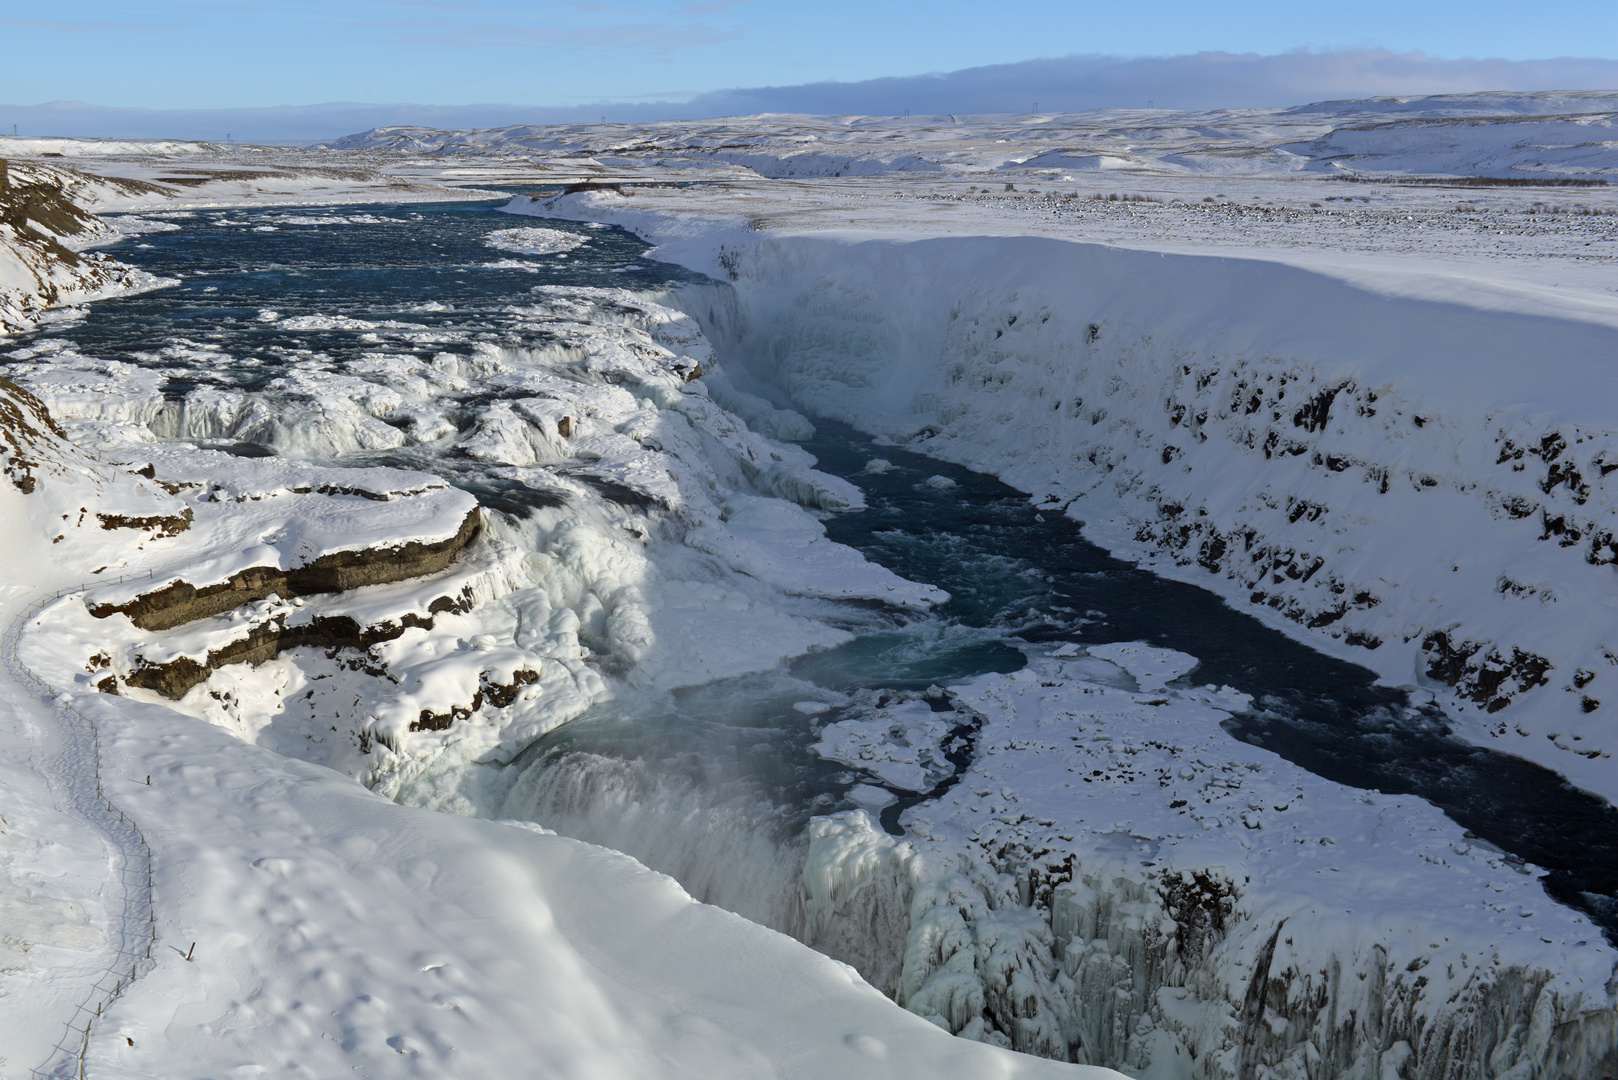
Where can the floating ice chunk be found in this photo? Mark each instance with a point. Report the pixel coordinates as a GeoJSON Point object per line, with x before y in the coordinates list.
{"type": "Point", "coordinates": [318, 321]}
{"type": "Point", "coordinates": [870, 798]}
{"type": "Point", "coordinates": [531, 241]}
{"type": "Point", "coordinates": [1153, 668]}
{"type": "Point", "coordinates": [131, 225]}
{"type": "Point", "coordinates": [940, 483]}
{"type": "Point", "coordinates": [878, 466]}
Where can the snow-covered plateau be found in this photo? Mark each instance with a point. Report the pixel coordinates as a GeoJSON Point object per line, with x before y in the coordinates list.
{"type": "Point", "coordinates": [288, 612]}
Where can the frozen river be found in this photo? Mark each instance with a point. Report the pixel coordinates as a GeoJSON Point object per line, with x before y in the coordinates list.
{"type": "Point", "coordinates": [715, 784]}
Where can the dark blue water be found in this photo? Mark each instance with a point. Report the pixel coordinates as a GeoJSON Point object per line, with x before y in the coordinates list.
{"type": "Point", "coordinates": [393, 267]}
{"type": "Point", "coordinates": [1035, 577]}
{"type": "Point", "coordinates": [1018, 575]}
{"type": "Point", "coordinates": [1015, 575]}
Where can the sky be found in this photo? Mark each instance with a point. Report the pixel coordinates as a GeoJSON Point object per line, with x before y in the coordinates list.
{"type": "Point", "coordinates": [211, 54]}
{"type": "Point", "coordinates": [270, 70]}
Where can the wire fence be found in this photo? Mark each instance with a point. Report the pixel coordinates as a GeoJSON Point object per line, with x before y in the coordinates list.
{"type": "Point", "coordinates": [75, 771]}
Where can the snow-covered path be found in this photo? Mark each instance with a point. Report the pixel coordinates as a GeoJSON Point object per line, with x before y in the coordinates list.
{"type": "Point", "coordinates": [60, 808]}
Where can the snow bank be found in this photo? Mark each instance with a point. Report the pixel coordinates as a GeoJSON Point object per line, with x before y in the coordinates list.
{"type": "Point", "coordinates": [337, 930]}
{"type": "Point", "coordinates": [1580, 146]}
{"type": "Point", "coordinates": [42, 264]}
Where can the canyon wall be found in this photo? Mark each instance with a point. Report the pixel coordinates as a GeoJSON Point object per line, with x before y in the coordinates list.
{"type": "Point", "coordinates": [1417, 485]}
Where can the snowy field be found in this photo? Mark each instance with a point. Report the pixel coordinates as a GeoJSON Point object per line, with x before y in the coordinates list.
{"type": "Point", "coordinates": [1326, 362]}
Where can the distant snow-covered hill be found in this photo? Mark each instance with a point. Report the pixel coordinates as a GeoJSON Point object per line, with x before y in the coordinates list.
{"type": "Point", "coordinates": [1552, 134]}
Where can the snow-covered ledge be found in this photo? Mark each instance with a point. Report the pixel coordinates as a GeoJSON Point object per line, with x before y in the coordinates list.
{"type": "Point", "coordinates": [1403, 464]}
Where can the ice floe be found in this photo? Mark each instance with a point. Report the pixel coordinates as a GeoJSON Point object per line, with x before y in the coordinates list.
{"type": "Point", "coordinates": [534, 241]}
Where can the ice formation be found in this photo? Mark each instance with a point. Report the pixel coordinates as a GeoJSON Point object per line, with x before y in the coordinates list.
{"type": "Point", "coordinates": [642, 538]}
{"type": "Point", "coordinates": [1114, 879]}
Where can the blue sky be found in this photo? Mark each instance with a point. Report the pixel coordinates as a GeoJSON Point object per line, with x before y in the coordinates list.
{"type": "Point", "coordinates": [210, 54]}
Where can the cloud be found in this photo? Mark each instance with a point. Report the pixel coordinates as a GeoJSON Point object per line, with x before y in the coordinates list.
{"type": "Point", "coordinates": [1198, 81]}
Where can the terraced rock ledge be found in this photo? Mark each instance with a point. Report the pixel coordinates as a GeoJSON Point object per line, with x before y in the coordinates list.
{"type": "Point", "coordinates": [181, 602]}
{"type": "Point", "coordinates": [268, 641]}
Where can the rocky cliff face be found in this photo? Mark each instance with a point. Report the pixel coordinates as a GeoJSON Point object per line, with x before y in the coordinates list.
{"type": "Point", "coordinates": [42, 236]}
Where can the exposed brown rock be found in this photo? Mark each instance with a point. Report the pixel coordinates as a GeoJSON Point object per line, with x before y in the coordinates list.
{"type": "Point", "coordinates": [24, 424]}
{"type": "Point", "coordinates": [157, 524]}
{"type": "Point", "coordinates": [497, 694]}
{"type": "Point", "coordinates": [1481, 672]}
{"type": "Point", "coordinates": [182, 602]}
{"type": "Point", "coordinates": [269, 640]}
